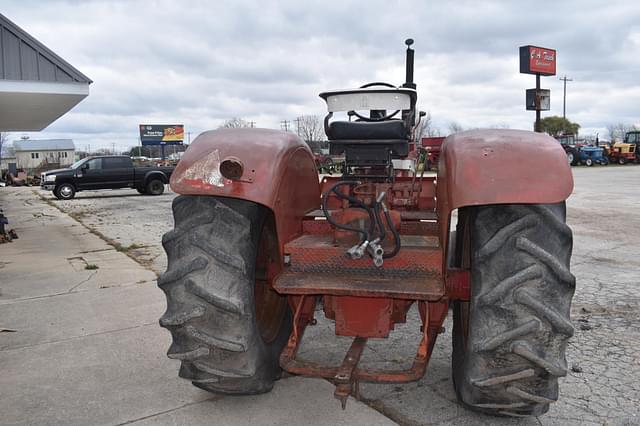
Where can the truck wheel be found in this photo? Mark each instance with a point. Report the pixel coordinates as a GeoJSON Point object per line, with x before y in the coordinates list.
{"type": "Point", "coordinates": [228, 326]}
{"type": "Point", "coordinates": [154, 187]}
{"type": "Point", "coordinates": [570, 158]}
{"type": "Point", "coordinates": [509, 340]}
{"type": "Point", "coordinates": [622, 161]}
{"type": "Point", "coordinates": [574, 160]}
{"type": "Point", "coordinates": [64, 191]}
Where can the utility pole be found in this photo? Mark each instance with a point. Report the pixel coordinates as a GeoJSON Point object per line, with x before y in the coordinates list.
{"type": "Point", "coordinates": [252, 124]}
{"type": "Point", "coordinates": [298, 120]}
{"type": "Point", "coordinates": [284, 124]}
{"type": "Point", "coordinates": [564, 98]}
{"type": "Point", "coordinates": [538, 126]}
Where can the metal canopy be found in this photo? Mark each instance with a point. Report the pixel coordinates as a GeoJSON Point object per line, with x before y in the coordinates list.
{"type": "Point", "coordinates": [36, 85]}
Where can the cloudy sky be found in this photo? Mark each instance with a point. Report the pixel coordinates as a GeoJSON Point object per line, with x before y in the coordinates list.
{"type": "Point", "coordinates": [203, 62]}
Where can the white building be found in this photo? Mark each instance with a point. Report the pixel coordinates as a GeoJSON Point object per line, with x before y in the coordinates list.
{"type": "Point", "coordinates": [31, 154]}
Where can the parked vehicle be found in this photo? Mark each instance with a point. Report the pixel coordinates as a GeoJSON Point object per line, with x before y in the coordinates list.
{"type": "Point", "coordinates": [252, 255]}
{"type": "Point", "coordinates": [626, 151]}
{"type": "Point", "coordinates": [571, 148]}
{"type": "Point", "coordinates": [327, 164]}
{"type": "Point", "coordinates": [590, 155]}
{"type": "Point", "coordinates": [433, 145]}
{"type": "Point", "coordinates": [105, 172]}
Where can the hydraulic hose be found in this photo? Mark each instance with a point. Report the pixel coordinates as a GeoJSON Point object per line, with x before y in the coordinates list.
{"type": "Point", "coordinates": [379, 223]}
{"type": "Point", "coordinates": [325, 197]}
{"type": "Point", "coordinates": [358, 203]}
{"type": "Point", "coordinates": [394, 231]}
{"type": "Point", "coordinates": [374, 217]}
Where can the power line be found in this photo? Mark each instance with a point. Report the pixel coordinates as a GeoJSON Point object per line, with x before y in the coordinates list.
{"type": "Point", "coordinates": [564, 98]}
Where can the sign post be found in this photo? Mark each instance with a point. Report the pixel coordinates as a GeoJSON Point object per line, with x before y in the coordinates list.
{"type": "Point", "coordinates": [161, 134]}
{"type": "Point", "coordinates": [539, 61]}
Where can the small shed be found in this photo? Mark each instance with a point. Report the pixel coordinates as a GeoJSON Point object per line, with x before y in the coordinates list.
{"type": "Point", "coordinates": [32, 154]}
{"type": "Point", "coordinates": [7, 156]}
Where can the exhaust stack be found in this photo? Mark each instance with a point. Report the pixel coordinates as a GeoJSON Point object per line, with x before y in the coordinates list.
{"type": "Point", "coordinates": [409, 74]}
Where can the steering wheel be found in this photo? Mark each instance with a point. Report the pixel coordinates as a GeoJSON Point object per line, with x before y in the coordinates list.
{"type": "Point", "coordinates": [386, 117]}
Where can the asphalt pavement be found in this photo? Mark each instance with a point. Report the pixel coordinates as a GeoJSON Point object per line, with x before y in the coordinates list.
{"type": "Point", "coordinates": [81, 342]}
{"type": "Point", "coordinates": [87, 348]}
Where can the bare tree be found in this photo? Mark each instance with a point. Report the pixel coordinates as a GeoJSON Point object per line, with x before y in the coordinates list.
{"type": "Point", "coordinates": [455, 127]}
{"type": "Point", "coordinates": [310, 128]}
{"type": "Point", "coordinates": [611, 131]}
{"type": "Point", "coordinates": [4, 137]}
{"type": "Point", "coordinates": [425, 128]}
{"type": "Point", "coordinates": [234, 123]}
{"type": "Point", "coordinates": [617, 131]}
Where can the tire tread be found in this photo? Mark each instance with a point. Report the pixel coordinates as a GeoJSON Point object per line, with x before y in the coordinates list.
{"type": "Point", "coordinates": [521, 284]}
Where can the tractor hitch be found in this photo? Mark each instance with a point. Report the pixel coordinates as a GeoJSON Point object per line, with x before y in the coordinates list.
{"type": "Point", "coordinates": [348, 375]}
{"type": "Point", "coordinates": [344, 378]}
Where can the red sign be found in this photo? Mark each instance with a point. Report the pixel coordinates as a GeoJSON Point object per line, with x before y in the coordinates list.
{"type": "Point", "coordinates": [537, 60]}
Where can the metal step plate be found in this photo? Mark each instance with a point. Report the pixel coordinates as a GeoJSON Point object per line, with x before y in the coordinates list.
{"type": "Point", "coordinates": [317, 266]}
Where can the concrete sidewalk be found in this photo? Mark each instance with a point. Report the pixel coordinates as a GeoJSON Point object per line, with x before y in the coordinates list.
{"type": "Point", "coordinates": [87, 348]}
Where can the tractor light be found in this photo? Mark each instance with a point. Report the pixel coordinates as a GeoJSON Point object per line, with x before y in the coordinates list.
{"type": "Point", "coordinates": [232, 168]}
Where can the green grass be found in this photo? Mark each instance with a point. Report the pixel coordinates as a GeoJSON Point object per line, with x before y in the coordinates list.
{"type": "Point", "coordinates": [124, 249]}
{"type": "Point", "coordinates": [91, 266]}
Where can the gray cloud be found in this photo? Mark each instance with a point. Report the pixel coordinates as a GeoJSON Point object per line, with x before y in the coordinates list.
{"type": "Point", "coordinates": [202, 62]}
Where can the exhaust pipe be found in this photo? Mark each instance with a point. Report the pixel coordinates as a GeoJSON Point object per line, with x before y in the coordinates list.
{"type": "Point", "coordinates": [409, 74]}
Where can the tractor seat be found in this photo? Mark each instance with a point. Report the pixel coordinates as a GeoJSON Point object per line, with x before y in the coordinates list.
{"type": "Point", "coordinates": [366, 130]}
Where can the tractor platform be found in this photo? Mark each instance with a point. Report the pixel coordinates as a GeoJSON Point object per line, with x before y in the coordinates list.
{"type": "Point", "coordinates": [316, 265]}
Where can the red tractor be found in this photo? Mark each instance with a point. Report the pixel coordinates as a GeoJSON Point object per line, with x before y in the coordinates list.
{"type": "Point", "coordinates": [433, 146]}
{"type": "Point", "coordinates": [259, 243]}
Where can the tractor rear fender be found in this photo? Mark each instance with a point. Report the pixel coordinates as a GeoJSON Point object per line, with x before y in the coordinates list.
{"type": "Point", "coordinates": [482, 167]}
{"type": "Point", "coordinates": [279, 173]}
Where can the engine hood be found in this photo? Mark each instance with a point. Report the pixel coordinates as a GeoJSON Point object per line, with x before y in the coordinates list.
{"type": "Point", "coordinates": [57, 171]}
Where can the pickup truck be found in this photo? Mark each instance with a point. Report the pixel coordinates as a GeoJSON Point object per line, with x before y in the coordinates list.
{"type": "Point", "coordinates": [105, 172]}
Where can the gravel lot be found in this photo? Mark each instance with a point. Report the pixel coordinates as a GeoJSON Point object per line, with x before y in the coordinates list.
{"type": "Point", "coordinates": [603, 386]}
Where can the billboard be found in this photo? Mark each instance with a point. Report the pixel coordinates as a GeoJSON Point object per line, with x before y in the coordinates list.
{"type": "Point", "coordinates": [161, 134]}
{"type": "Point", "coordinates": [537, 60]}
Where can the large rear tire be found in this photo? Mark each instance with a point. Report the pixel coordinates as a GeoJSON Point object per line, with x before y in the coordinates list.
{"type": "Point", "coordinates": [509, 340]}
{"type": "Point", "coordinates": [228, 327]}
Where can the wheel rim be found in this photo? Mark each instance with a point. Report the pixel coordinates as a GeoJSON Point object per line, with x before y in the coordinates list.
{"type": "Point", "coordinates": [65, 191]}
{"type": "Point", "coordinates": [570, 158]}
{"type": "Point", "coordinates": [156, 186]}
